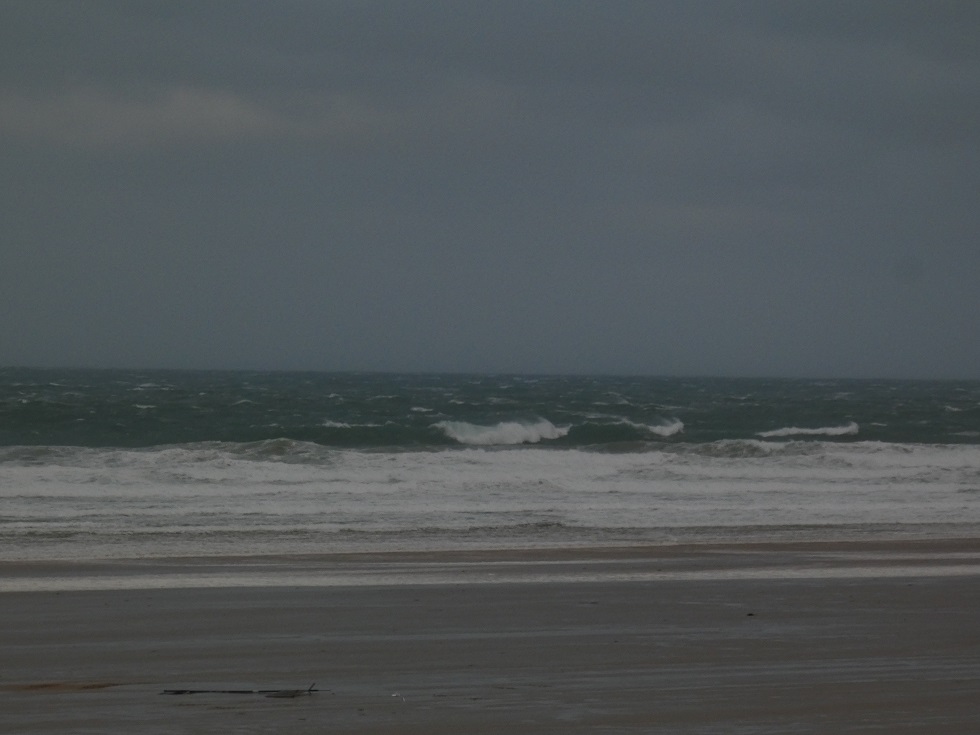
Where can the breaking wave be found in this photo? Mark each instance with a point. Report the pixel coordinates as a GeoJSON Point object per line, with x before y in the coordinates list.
{"type": "Point", "coordinates": [846, 430]}
{"type": "Point", "coordinates": [664, 429]}
{"type": "Point", "coordinates": [505, 432]}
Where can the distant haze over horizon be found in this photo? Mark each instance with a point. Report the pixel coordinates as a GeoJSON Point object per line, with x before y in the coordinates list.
{"type": "Point", "coordinates": [721, 188]}
{"type": "Point", "coordinates": [480, 373]}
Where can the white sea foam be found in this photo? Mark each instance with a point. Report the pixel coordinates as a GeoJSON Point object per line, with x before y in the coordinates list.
{"type": "Point", "coordinates": [667, 428]}
{"type": "Point", "coordinates": [286, 496]}
{"type": "Point", "coordinates": [506, 432]}
{"type": "Point", "coordinates": [328, 424]}
{"type": "Point", "coordinates": [846, 430]}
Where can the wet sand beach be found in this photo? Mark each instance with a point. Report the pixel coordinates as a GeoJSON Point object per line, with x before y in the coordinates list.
{"type": "Point", "coordinates": [817, 638]}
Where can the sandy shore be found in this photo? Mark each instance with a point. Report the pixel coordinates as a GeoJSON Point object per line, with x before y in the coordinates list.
{"type": "Point", "coordinates": [735, 639]}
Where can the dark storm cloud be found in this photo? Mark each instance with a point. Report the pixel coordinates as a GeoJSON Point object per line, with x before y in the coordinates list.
{"type": "Point", "coordinates": [747, 188]}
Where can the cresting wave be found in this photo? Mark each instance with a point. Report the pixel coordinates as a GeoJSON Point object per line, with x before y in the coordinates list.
{"type": "Point", "coordinates": [424, 412]}
{"type": "Point", "coordinates": [533, 432]}
{"type": "Point", "coordinates": [505, 432]}
{"type": "Point", "coordinates": [256, 461]}
{"type": "Point", "coordinates": [847, 430]}
{"type": "Point", "coordinates": [664, 429]}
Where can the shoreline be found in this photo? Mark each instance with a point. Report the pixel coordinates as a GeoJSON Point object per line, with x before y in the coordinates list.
{"type": "Point", "coordinates": [636, 563]}
{"type": "Point", "coordinates": [520, 540]}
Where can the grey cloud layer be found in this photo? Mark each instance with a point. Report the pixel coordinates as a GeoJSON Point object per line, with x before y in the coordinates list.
{"type": "Point", "coordinates": [654, 187]}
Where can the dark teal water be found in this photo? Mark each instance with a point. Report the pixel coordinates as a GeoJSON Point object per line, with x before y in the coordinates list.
{"type": "Point", "coordinates": [129, 408]}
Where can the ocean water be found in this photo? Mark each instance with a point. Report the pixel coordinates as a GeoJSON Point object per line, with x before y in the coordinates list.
{"type": "Point", "coordinates": [154, 464]}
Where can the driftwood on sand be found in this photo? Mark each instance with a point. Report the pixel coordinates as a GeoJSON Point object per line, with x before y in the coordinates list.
{"type": "Point", "coordinates": [274, 693]}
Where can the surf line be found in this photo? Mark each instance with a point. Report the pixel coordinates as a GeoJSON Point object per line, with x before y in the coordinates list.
{"type": "Point", "coordinates": [274, 693]}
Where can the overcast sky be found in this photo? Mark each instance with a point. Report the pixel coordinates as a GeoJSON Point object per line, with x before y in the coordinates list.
{"type": "Point", "coordinates": [693, 188]}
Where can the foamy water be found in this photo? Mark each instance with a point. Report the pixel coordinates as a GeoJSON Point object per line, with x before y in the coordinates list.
{"type": "Point", "coordinates": [293, 497]}
{"type": "Point", "coordinates": [150, 464]}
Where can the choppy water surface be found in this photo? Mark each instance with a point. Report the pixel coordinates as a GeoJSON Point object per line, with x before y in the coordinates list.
{"type": "Point", "coordinates": [97, 464]}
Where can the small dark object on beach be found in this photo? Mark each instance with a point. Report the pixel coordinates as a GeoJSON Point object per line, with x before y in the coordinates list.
{"type": "Point", "coordinates": [273, 693]}
{"type": "Point", "coordinates": [290, 693]}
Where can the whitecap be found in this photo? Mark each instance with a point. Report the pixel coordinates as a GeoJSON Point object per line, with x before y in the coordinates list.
{"type": "Point", "coordinates": [846, 430]}
{"type": "Point", "coordinates": [505, 432]}
{"type": "Point", "coordinates": [665, 428]}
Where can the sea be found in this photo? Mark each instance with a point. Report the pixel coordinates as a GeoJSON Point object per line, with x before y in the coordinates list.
{"type": "Point", "coordinates": [152, 464]}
